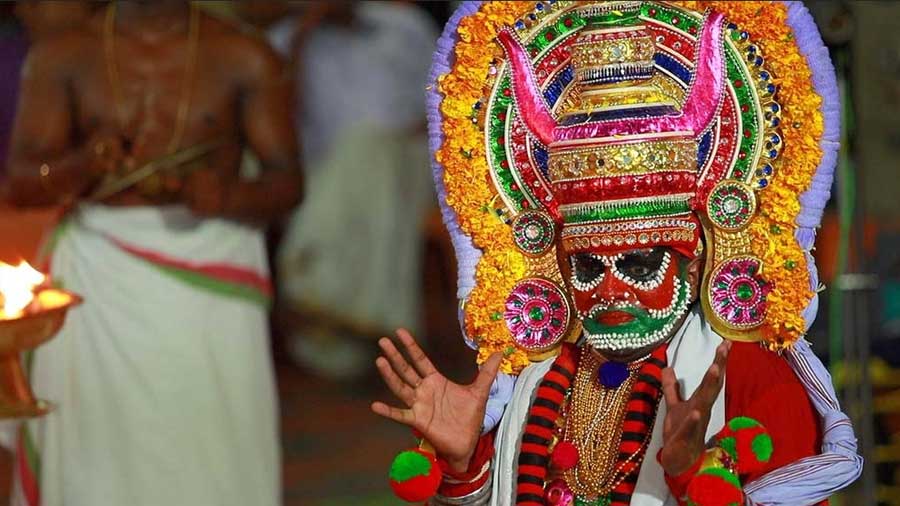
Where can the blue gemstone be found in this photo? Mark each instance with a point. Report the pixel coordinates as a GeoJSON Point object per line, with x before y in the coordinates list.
{"type": "Point", "coordinates": [532, 17]}
{"type": "Point", "coordinates": [751, 49]}
{"type": "Point", "coordinates": [759, 61]}
{"type": "Point", "coordinates": [776, 122]}
{"type": "Point", "coordinates": [551, 2]}
{"type": "Point", "coordinates": [767, 170]}
{"type": "Point", "coordinates": [775, 139]}
{"type": "Point", "coordinates": [775, 108]}
{"type": "Point", "coordinates": [745, 35]}
{"type": "Point", "coordinates": [732, 26]}
{"type": "Point", "coordinates": [612, 374]}
{"type": "Point", "coordinates": [539, 6]}
{"type": "Point", "coordinates": [770, 88]}
{"type": "Point", "coordinates": [773, 154]}
{"type": "Point", "coordinates": [520, 25]}
{"type": "Point", "coordinates": [763, 183]}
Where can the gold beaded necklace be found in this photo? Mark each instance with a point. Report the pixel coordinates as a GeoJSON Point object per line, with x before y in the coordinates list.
{"type": "Point", "coordinates": [184, 101]}
{"type": "Point", "coordinates": [593, 422]}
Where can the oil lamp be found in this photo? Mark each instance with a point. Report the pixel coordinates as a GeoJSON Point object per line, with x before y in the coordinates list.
{"type": "Point", "coordinates": [31, 313]}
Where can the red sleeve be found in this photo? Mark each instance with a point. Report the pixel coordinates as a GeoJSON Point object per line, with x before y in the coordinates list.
{"type": "Point", "coordinates": [761, 384]}
{"type": "Point", "coordinates": [461, 484]}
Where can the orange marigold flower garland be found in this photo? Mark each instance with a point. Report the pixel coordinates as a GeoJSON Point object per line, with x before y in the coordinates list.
{"type": "Point", "coordinates": [773, 228]}
{"type": "Point", "coordinates": [464, 159]}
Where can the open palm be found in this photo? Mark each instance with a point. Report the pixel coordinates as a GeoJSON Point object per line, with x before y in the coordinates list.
{"type": "Point", "coordinates": [447, 414]}
{"type": "Point", "coordinates": [684, 428]}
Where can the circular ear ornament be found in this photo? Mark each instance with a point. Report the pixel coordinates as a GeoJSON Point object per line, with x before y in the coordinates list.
{"type": "Point", "coordinates": [537, 314]}
{"type": "Point", "coordinates": [737, 293]}
{"type": "Point", "coordinates": [533, 232]}
{"type": "Point", "coordinates": [731, 205]}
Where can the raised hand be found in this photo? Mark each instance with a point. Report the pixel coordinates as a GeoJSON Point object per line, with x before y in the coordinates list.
{"type": "Point", "coordinates": [684, 429]}
{"type": "Point", "coordinates": [447, 414]}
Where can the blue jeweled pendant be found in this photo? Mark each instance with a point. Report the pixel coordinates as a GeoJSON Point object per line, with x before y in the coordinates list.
{"type": "Point", "coordinates": [612, 374]}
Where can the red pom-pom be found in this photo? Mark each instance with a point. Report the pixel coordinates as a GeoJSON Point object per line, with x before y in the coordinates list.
{"type": "Point", "coordinates": [415, 475]}
{"type": "Point", "coordinates": [564, 456]}
{"type": "Point", "coordinates": [748, 443]}
{"type": "Point", "coordinates": [715, 487]}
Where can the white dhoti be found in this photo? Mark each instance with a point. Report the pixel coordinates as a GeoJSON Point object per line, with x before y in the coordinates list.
{"type": "Point", "coordinates": [162, 379]}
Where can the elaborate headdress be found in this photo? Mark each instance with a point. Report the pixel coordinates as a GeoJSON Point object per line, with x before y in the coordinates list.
{"type": "Point", "coordinates": [624, 125]}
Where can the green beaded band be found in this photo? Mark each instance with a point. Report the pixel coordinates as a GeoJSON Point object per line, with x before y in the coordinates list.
{"type": "Point", "coordinates": [606, 212]}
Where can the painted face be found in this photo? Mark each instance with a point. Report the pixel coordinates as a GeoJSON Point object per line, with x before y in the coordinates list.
{"type": "Point", "coordinates": [631, 300]}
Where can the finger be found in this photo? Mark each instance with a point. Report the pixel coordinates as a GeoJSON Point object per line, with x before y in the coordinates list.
{"type": "Point", "coordinates": [419, 359]}
{"type": "Point", "coordinates": [400, 365]}
{"type": "Point", "coordinates": [398, 386]}
{"type": "Point", "coordinates": [670, 387]}
{"type": "Point", "coordinates": [488, 372]}
{"type": "Point", "coordinates": [712, 382]}
{"type": "Point", "coordinates": [403, 416]}
{"type": "Point", "coordinates": [687, 429]}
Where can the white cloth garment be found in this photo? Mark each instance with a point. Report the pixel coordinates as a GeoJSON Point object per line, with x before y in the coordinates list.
{"type": "Point", "coordinates": [163, 387]}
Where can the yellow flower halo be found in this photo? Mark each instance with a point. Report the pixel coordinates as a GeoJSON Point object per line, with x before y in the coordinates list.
{"type": "Point", "coordinates": [486, 200]}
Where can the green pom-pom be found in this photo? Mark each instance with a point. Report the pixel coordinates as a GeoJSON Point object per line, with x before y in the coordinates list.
{"type": "Point", "coordinates": [729, 444]}
{"type": "Point", "coordinates": [742, 422]}
{"type": "Point", "coordinates": [714, 487]}
{"type": "Point", "coordinates": [723, 474]}
{"type": "Point", "coordinates": [408, 465]}
{"type": "Point", "coordinates": [762, 447]}
{"type": "Point", "coordinates": [415, 475]}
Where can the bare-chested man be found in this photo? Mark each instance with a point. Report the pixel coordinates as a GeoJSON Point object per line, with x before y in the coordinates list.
{"type": "Point", "coordinates": [162, 379]}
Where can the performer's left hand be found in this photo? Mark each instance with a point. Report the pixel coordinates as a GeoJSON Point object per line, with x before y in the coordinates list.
{"type": "Point", "coordinates": [684, 429]}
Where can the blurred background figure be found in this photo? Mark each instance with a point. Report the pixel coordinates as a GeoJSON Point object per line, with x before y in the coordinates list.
{"type": "Point", "coordinates": [136, 122]}
{"type": "Point", "coordinates": [350, 260]}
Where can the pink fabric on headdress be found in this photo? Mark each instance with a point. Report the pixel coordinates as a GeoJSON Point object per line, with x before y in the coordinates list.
{"type": "Point", "coordinates": [529, 101]}
{"type": "Point", "coordinates": [698, 111]}
{"type": "Point", "coordinates": [699, 108]}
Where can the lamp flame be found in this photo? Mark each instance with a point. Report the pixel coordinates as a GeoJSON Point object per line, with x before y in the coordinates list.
{"type": "Point", "coordinates": [17, 285]}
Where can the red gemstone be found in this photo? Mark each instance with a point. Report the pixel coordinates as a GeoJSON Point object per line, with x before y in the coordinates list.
{"type": "Point", "coordinates": [502, 115]}
{"type": "Point", "coordinates": [745, 108]}
{"type": "Point", "coordinates": [550, 35]}
{"type": "Point", "coordinates": [692, 30]}
{"type": "Point", "coordinates": [568, 22]}
{"type": "Point", "coordinates": [504, 164]}
{"type": "Point", "coordinates": [747, 133]}
{"type": "Point", "coordinates": [507, 92]}
{"type": "Point", "coordinates": [675, 20]}
{"type": "Point", "coordinates": [742, 155]}
{"type": "Point", "coordinates": [738, 173]}
{"type": "Point", "coordinates": [524, 204]}
{"type": "Point", "coordinates": [514, 187]}
{"type": "Point", "coordinates": [653, 12]}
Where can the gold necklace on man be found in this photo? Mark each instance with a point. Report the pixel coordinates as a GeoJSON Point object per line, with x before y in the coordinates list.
{"type": "Point", "coordinates": [184, 100]}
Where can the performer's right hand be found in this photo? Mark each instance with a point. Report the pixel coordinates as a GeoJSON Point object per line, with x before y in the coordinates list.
{"type": "Point", "coordinates": [448, 415]}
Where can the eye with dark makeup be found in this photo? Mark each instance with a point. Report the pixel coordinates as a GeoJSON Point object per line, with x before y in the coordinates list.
{"type": "Point", "coordinates": [641, 265]}
{"type": "Point", "coordinates": [586, 267]}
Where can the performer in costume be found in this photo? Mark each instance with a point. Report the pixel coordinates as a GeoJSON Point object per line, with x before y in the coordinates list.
{"type": "Point", "coordinates": [162, 383]}
{"type": "Point", "coordinates": [632, 189]}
